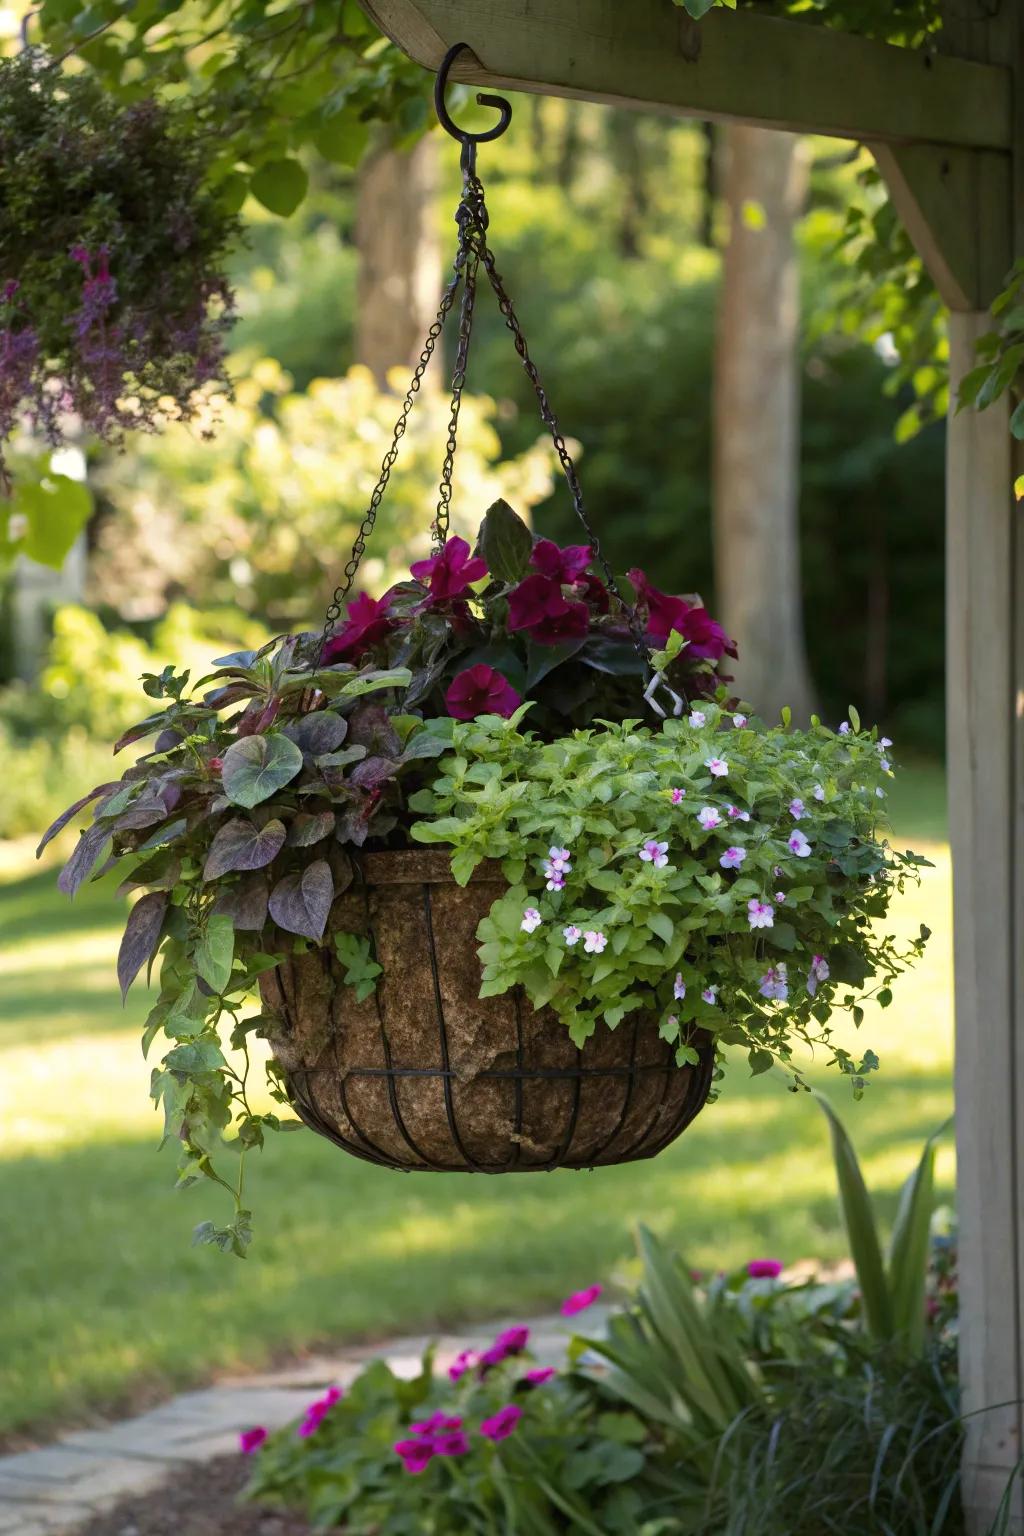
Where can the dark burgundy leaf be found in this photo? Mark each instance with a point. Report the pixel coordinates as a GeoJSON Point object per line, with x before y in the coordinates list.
{"type": "Point", "coordinates": [141, 936]}
{"type": "Point", "coordinates": [82, 861]}
{"type": "Point", "coordinates": [245, 904]}
{"type": "Point", "coordinates": [353, 827]}
{"type": "Point", "coordinates": [369, 726]}
{"type": "Point", "coordinates": [230, 693]}
{"type": "Point", "coordinates": [136, 732]}
{"type": "Point", "coordinates": [167, 741]}
{"type": "Point", "coordinates": [144, 813]}
{"type": "Point", "coordinates": [301, 903]}
{"type": "Point", "coordinates": [373, 772]}
{"type": "Point", "coordinates": [318, 733]}
{"type": "Point", "coordinates": [240, 845]}
{"type": "Point", "coordinates": [309, 827]}
{"type": "Point", "coordinates": [72, 810]}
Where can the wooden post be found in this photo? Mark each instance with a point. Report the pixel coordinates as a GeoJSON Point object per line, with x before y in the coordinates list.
{"type": "Point", "coordinates": [984, 814]}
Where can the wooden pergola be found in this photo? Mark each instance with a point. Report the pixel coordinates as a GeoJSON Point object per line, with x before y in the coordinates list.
{"type": "Point", "coordinates": [947, 131]}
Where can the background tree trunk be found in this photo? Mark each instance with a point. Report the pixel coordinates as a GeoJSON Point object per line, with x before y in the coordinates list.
{"type": "Point", "coordinates": [757, 420]}
{"type": "Point", "coordinates": [399, 255]}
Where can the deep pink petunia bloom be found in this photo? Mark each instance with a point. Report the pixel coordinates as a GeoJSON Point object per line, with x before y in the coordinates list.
{"type": "Point", "coordinates": [451, 572]}
{"type": "Point", "coordinates": [454, 1444]}
{"type": "Point", "coordinates": [534, 601]}
{"type": "Point", "coordinates": [480, 690]}
{"type": "Point", "coordinates": [594, 591]}
{"type": "Point", "coordinates": [438, 1423]}
{"type": "Point", "coordinates": [565, 566]}
{"type": "Point", "coordinates": [511, 1342]}
{"type": "Point", "coordinates": [464, 1361]}
{"type": "Point", "coordinates": [539, 1375]}
{"type": "Point", "coordinates": [250, 1440]}
{"type": "Point", "coordinates": [764, 1269]}
{"type": "Point", "coordinates": [573, 624]}
{"type": "Point", "coordinates": [416, 1454]}
{"type": "Point", "coordinates": [579, 1301]}
{"type": "Point", "coordinates": [501, 1424]}
{"type": "Point", "coordinates": [707, 638]}
{"type": "Point", "coordinates": [366, 624]}
{"type": "Point", "coordinates": [664, 613]}
{"type": "Point", "coordinates": [316, 1411]}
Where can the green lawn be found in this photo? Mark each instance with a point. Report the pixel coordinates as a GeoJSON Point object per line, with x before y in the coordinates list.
{"type": "Point", "coordinates": [104, 1302]}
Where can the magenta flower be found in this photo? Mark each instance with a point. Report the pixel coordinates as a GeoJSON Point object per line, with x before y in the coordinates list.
{"type": "Point", "coordinates": [438, 1423]}
{"type": "Point", "coordinates": [707, 639]}
{"type": "Point", "coordinates": [565, 566]}
{"type": "Point", "coordinates": [480, 690]}
{"type": "Point", "coordinates": [579, 1301]}
{"type": "Point", "coordinates": [450, 573]}
{"type": "Point", "coordinates": [664, 613]}
{"type": "Point", "coordinates": [366, 624]}
{"type": "Point", "coordinates": [511, 1342]}
{"type": "Point", "coordinates": [316, 1411]}
{"type": "Point", "coordinates": [416, 1454]}
{"type": "Point", "coordinates": [455, 1444]}
{"type": "Point", "coordinates": [464, 1361]}
{"type": "Point", "coordinates": [678, 796]}
{"type": "Point", "coordinates": [250, 1440]}
{"type": "Point", "coordinates": [539, 1375]}
{"type": "Point", "coordinates": [501, 1424]}
{"type": "Point", "coordinates": [764, 1269]}
{"type": "Point", "coordinates": [538, 607]}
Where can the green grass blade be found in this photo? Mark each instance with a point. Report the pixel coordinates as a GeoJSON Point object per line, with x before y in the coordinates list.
{"type": "Point", "coordinates": [909, 1248]}
{"type": "Point", "coordinates": [861, 1231]}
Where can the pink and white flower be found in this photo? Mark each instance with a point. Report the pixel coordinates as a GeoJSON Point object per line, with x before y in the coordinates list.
{"type": "Point", "coordinates": [780, 897]}
{"type": "Point", "coordinates": [732, 858]}
{"type": "Point", "coordinates": [760, 914]}
{"type": "Point", "coordinates": [796, 808]}
{"type": "Point", "coordinates": [698, 718]}
{"type": "Point", "coordinates": [531, 919]}
{"type": "Point", "coordinates": [709, 818]}
{"type": "Point", "coordinates": [655, 853]}
{"type": "Point", "coordinates": [594, 941]}
{"type": "Point", "coordinates": [717, 767]}
{"type": "Point", "coordinates": [710, 995]}
{"type": "Point", "coordinates": [775, 983]}
{"type": "Point", "coordinates": [678, 796]}
{"type": "Point", "coordinates": [799, 845]}
{"type": "Point", "coordinates": [739, 721]}
{"type": "Point", "coordinates": [819, 791]}
{"type": "Point", "coordinates": [735, 814]}
{"type": "Point", "coordinates": [572, 934]}
{"type": "Point", "coordinates": [679, 987]}
{"type": "Point", "coordinates": [559, 858]}
{"type": "Point", "coordinates": [818, 972]}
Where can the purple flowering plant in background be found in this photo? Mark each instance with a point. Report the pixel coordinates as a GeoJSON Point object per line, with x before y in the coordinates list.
{"type": "Point", "coordinates": [113, 298]}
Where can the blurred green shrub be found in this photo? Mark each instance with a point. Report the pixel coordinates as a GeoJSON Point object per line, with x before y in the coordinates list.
{"type": "Point", "coordinates": [55, 734]}
{"type": "Point", "coordinates": [264, 515]}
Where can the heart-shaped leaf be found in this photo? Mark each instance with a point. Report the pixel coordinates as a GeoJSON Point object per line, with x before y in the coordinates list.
{"type": "Point", "coordinates": [240, 845]}
{"type": "Point", "coordinates": [216, 950]}
{"type": "Point", "coordinates": [318, 733]}
{"type": "Point", "coordinates": [309, 828]}
{"type": "Point", "coordinates": [141, 936]}
{"type": "Point", "coordinates": [257, 766]}
{"type": "Point", "coordinates": [301, 903]}
{"type": "Point", "coordinates": [245, 904]}
{"type": "Point", "coordinates": [505, 543]}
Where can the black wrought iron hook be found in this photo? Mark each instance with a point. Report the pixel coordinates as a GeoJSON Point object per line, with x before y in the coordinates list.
{"type": "Point", "coordinates": [468, 140]}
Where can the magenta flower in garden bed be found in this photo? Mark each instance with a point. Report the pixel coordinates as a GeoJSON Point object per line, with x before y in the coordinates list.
{"type": "Point", "coordinates": [579, 1301]}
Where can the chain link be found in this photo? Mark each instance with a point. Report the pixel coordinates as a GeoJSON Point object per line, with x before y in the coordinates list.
{"type": "Point", "coordinates": [473, 250]}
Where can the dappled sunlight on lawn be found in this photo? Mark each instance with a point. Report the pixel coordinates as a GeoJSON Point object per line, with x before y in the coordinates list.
{"type": "Point", "coordinates": [108, 1294]}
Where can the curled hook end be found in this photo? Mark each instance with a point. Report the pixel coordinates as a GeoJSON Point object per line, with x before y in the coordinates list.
{"type": "Point", "coordinates": [484, 99]}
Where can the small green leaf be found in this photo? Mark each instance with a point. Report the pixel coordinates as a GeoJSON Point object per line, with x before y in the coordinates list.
{"type": "Point", "coordinates": [215, 951]}
{"type": "Point", "coordinates": [280, 185]}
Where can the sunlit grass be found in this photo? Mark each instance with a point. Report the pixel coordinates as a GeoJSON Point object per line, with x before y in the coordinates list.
{"type": "Point", "coordinates": [104, 1298]}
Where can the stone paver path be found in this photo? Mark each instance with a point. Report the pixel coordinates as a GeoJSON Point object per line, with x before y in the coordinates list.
{"type": "Point", "coordinates": [53, 1491]}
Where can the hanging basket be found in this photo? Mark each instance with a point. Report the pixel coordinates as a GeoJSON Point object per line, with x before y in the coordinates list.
{"type": "Point", "coordinates": [426, 1075]}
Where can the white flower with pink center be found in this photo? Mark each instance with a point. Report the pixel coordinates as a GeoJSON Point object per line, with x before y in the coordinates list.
{"type": "Point", "coordinates": [710, 995]}
{"type": "Point", "coordinates": [531, 920]}
{"type": "Point", "coordinates": [739, 721]}
{"type": "Point", "coordinates": [709, 818]}
{"type": "Point", "coordinates": [796, 809]}
{"type": "Point", "coordinates": [594, 941]}
{"type": "Point", "coordinates": [655, 853]}
{"type": "Point", "coordinates": [732, 858]}
{"type": "Point", "coordinates": [717, 767]}
{"type": "Point", "coordinates": [775, 984]}
{"type": "Point", "coordinates": [818, 972]}
{"type": "Point", "coordinates": [679, 987]}
{"type": "Point", "coordinates": [698, 718]}
{"type": "Point", "coordinates": [572, 934]}
{"type": "Point", "coordinates": [760, 914]}
{"type": "Point", "coordinates": [678, 796]}
{"type": "Point", "coordinates": [799, 845]}
{"type": "Point", "coordinates": [735, 814]}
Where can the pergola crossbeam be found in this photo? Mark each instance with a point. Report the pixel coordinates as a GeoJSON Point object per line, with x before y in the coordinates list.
{"type": "Point", "coordinates": [734, 66]}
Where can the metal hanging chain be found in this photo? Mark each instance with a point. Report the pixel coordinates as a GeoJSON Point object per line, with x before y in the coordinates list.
{"type": "Point", "coordinates": [470, 247]}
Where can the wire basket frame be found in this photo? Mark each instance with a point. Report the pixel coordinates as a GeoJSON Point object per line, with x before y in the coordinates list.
{"type": "Point", "coordinates": [424, 1075]}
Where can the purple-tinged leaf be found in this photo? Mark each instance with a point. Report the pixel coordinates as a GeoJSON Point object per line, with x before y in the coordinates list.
{"type": "Point", "coordinates": [309, 828]}
{"type": "Point", "coordinates": [167, 741]}
{"type": "Point", "coordinates": [257, 766]}
{"type": "Point", "coordinates": [240, 845]}
{"type": "Point", "coordinates": [141, 937]}
{"type": "Point", "coordinates": [245, 904]}
{"type": "Point", "coordinates": [321, 732]}
{"type": "Point", "coordinates": [301, 903]}
{"type": "Point", "coordinates": [373, 772]}
{"type": "Point", "coordinates": [136, 732]}
{"type": "Point", "coordinates": [82, 862]}
{"type": "Point", "coordinates": [72, 811]}
{"type": "Point", "coordinates": [258, 717]}
{"type": "Point", "coordinates": [353, 827]}
{"type": "Point", "coordinates": [230, 693]}
{"type": "Point", "coordinates": [163, 835]}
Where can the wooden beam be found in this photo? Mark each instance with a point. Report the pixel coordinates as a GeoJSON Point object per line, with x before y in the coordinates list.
{"type": "Point", "coordinates": [955, 204]}
{"type": "Point", "coordinates": [733, 65]}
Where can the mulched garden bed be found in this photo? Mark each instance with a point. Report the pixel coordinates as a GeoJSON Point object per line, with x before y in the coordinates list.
{"type": "Point", "coordinates": [198, 1500]}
